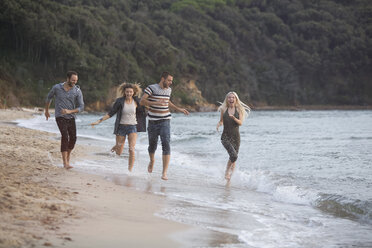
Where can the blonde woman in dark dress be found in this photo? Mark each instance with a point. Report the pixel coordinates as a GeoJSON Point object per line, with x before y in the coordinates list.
{"type": "Point", "coordinates": [233, 113]}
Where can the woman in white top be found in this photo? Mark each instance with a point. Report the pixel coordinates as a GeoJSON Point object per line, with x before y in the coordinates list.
{"type": "Point", "coordinates": [130, 119]}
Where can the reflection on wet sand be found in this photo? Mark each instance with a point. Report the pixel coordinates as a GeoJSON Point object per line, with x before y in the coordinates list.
{"type": "Point", "coordinates": [199, 236]}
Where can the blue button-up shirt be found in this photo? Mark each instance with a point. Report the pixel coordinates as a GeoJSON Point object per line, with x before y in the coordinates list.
{"type": "Point", "coordinates": [71, 99]}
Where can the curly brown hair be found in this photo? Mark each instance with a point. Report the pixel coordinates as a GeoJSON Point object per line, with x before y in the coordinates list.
{"type": "Point", "coordinates": [136, 89]}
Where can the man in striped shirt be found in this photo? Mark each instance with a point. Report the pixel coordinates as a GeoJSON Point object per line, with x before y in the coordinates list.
{"type": "Point", "coordinates": [157, 99]}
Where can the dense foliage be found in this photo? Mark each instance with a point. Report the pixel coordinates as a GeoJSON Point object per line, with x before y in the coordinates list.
{"type": "Point", "coordinates": [271, 52]}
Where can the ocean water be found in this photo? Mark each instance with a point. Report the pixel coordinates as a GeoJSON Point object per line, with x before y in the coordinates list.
{"type": "Point", "coordinates": [302, 179]}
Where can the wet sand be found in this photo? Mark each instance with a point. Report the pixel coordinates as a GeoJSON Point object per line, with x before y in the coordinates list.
{"type": "Point", "coordinates": [44, 205]}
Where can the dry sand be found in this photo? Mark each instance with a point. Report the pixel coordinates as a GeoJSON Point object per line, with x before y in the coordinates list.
{"type": "Point", "coordinates": [42, 205]}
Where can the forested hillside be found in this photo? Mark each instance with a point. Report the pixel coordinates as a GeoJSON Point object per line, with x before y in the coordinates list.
{"type": "Point", "coordinates": [271, 52]}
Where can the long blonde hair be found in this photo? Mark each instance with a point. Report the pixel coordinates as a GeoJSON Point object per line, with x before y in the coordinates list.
{"type": "Point", "coordinates": [243, 108]}
{"type": "Point", "coordinates": [135, 86]}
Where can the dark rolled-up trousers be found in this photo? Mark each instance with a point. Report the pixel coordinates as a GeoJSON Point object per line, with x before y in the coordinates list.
{"type": "Point", "coordinates": [67, 127]}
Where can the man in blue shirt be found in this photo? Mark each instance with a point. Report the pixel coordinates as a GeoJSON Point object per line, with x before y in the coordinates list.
{"type": "Point", "coordinates": [68, 102]}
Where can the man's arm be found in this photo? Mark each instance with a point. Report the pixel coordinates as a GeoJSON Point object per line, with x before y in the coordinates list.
{"type": "Point", "coordinates": [46, 113]}
{"type": "Point", "coordinates": [178, 108]}
{"type": "Point", "coordinates": [48, 101]}
{"type": "Point", "coordinates": [80, 101]}
{"type": "Point", "coordinates": [144, 100]}
{"type": "Point", "coordinates": [80, 107]}
{"type": "Point", "coordinates": [70, 111]}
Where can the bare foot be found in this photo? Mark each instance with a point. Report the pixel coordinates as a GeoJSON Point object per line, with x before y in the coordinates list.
{"type": "Point", "coordinates": [130, 167]}
{"type": "Point", "coordinates": [67, 167]}
{"type": "Point", "coordinates": [164, 177]}
{"type": "Point", "coordinates": [150, 167]}
{"type": "Point", "coordinates": [115, 149]}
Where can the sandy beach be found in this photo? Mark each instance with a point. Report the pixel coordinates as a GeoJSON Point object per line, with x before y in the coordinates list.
{"type": "Point", "coordinates": [43, 205]}
{"type": "Point", "coordinates": [293, 187]}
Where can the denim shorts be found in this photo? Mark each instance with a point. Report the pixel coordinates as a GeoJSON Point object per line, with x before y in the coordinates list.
{"type": "Point", "coordinates": [124, 130]}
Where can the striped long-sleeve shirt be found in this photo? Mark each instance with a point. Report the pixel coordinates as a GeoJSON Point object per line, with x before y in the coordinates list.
{"type": "Point", "coordinates": [71, 99]}
{"type": "Point", "coordinates": [156, 93]}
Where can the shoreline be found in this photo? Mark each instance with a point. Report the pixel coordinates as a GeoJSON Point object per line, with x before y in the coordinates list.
{"type": "Point", "coordinates": [45, 205]}
{"type": "Point", "coordinates": [39, 110]}
{"type": "Point", "coordinates": [312, 107]}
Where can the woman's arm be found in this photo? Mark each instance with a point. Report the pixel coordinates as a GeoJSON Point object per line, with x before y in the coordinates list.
{"type": "Point", "coordinates": [100, 120]}
{"type": "Point", "coordinates": [220, 123]}
{"type": "Point", "coordinates": [116, 107]}
{"type": "Point", "coordinates": [238, 121]}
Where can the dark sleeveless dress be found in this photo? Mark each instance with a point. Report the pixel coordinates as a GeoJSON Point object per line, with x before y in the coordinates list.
{"type": "Point", "coordinates": [230, 137]}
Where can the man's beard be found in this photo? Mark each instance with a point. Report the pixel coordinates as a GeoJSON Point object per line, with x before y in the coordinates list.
{"type": "Point", "coordinates": [70, 84]}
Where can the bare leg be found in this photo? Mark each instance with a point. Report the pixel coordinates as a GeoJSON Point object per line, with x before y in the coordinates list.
{"type": "Point", "coordinates": [68, 156]}
{"type": "Point", "coordinates": [120, 141]}
{"type": "Point", "coordinates": [132, 137]}
{"type": "Point", "coordinates": [65, 159]}
{"type": "Point", "coordinates": [228, 170]}
{"type": "Point", "coordinates": [151, 163]}
{"type": "Point", "coordinates": [166, 159]}
{"type": "Point", "coordinates": [232, 168]}
{"type": "Point", "coordinates": [119, 147]}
